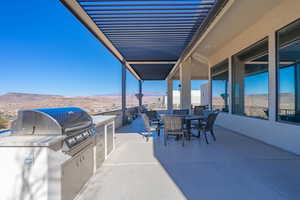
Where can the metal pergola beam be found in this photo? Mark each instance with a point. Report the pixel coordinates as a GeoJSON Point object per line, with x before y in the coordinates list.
{"type": "Point", "coordinates": [150, 13]}
{"type": "Point", "coordinates": [149, 4]}
{"type": "Point", "coordinates": [131, 24]}
{"type": "Point", "coordinates": [175, 31]}
{"type": "Point", "coordinates": [151, 62]}
{"type": "Point", "coordinates": [150, 17]}
{"type": "Point", "coordinates": [142, 9]}
{"type": "Point", "coordinates": [148, 29]}
{"type": "Point", "coordinates": [129, 0]}
{"type": "Point", "coordinates": [142, 22]}
{"type": "Point", "coordinates": [152, 27]}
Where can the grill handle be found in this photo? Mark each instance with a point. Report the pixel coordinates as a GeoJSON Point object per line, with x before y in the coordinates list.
{"type": "Point", "coordinates": [77, 128]}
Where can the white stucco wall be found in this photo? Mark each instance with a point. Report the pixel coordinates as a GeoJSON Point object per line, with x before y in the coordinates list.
{"type": "Point", "coordinates": [280, 134]}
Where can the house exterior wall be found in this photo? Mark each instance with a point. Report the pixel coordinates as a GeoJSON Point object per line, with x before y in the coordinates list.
{"type": "Point", "coordinates": [280, 134]}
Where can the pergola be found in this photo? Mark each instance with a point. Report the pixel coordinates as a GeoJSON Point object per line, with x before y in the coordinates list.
{"type": "Point", "coordinates": [150, 37]}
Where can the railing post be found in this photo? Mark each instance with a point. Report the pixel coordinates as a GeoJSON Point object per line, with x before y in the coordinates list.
{"type": "Point", "coordinates": [140, 93]}
{"type": "Point", "coordinates": [123, 82]}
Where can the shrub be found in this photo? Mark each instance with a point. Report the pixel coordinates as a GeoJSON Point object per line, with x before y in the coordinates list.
{"type": "Point", "coordinates": [3, 123]}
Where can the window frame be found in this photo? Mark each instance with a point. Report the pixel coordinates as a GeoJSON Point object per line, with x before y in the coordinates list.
{"type": "Point", "coordinates": [277, 101]}
{"type": "Point", "coordinates": [233, 79]}
{"type": "Point", "coordinates": [225, 61]}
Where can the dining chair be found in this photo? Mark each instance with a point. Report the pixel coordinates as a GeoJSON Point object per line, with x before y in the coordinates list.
{"type": "Point", "coordinates": [208, 125]}
{"type": "Point", "coordinates": [153, 116]}
{"type": "Point", "coordinates": [198, 110]}
{"type": "Point", "coordinates": [149, 127]}
{"type": "Point", "coordinates": [181, 112]}
{"type": "Point", "coordinates": [173, 125]}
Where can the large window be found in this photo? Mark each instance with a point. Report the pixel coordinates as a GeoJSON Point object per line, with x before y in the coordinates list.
{"type": "Point", "coordinates": [289, 73]}
{"type": "Point", "coordinates": [219, 81]}
{"type": "Point", "coordinates": [250, 81]}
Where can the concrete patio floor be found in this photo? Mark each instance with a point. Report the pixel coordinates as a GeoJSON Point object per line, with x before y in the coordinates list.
{"type": "Point", "coordinates": [233, 167]}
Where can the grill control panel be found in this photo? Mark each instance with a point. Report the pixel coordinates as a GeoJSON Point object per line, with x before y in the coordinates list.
{"type": "Point", "coordinates": [74, 140]}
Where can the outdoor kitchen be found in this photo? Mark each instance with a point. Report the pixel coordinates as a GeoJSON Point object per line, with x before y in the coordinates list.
{"type": "Point", "coordinates": [50, 154]}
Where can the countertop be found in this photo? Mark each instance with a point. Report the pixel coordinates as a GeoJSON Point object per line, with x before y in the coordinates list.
{"type": "Point", "coordinates": [9, 140]}
{"type": "Point", "coordinates": [103, 119]}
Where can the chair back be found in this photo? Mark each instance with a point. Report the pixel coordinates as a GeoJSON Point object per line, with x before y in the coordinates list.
{"type": "Point", "coordinates": [146, 122]}
{"type": "Point", "coordinates": [172, 124]}
{"type": "Point", "coordinates": [207, 112]}
{"type": "Point", "coordinates": [181, 112]}
{"type": "Point", "coordinates": [211, 120]}
{"type": "Point", "coordinates": [198, 110]}
{"type": "Point", "coordinates": [152, 115]}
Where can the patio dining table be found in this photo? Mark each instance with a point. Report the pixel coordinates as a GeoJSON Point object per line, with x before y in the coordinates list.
{"type": "Point", "coordinates": [188, 118]}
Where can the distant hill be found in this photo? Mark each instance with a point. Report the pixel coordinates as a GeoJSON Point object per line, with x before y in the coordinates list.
{"type": "Point", "coordinates": [10, 103]}
{"type": "Point", "coordinates": [17, 97]}
{"type": "Point", "coordinates": [145, 93]}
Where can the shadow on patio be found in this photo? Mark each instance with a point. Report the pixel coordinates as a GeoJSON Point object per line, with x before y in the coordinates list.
{"type": "Point", "coordinates": [234, 167]}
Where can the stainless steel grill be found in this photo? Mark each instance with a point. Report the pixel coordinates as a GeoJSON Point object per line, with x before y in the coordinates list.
{"type": "Point", "coordinates": [72, 122]}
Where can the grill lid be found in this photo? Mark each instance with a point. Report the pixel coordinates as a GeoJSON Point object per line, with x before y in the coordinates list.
{"type": "Point", "coordinates": [69, 118]}
{"type": "Point", "coordinates": [52, 121]}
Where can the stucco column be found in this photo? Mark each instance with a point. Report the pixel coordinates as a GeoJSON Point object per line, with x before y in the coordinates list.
{"type": "Point", "coordinates": [238, 82]}
{"type": "Point", "coordinates": [185, 81]}
{"type": "Point", "coordinates": [169, 95]}
{"type": "Point", "coordinates": [272, 77]}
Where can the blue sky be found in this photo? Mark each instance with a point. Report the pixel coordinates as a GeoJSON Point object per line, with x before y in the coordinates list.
{"type": "Point", "coordinates": [45, 50]}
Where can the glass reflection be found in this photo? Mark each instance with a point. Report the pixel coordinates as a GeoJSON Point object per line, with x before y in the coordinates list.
{"type": "Point", "coordinates": [250, 88]}
{"type": "Point", "coordinates": [219, 83]}
{"type": "Point", "coordinates": [289, 73]}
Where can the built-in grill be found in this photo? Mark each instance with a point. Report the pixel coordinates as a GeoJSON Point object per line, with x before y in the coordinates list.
{"type": "Point", "coordinates": [74, 123]}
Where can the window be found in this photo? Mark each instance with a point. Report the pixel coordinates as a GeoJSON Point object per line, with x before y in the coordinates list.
{"type": "Point", "coordinates": [250, 81]}
{"type": "Point", "coordinates": [289, 73]}
{"type": "Point", "coordinates": [219, 81]}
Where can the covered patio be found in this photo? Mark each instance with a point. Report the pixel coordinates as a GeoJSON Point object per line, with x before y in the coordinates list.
{"type": "Point", "coordinates": [229, 41]}
{"type": "Point", "coordinates": [233, 167]}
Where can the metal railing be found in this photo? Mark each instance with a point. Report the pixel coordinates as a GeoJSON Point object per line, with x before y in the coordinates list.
{"type": "Point", "coordinates": [287, 111]}
{"type": "Point", "coordinates": [4, 131]}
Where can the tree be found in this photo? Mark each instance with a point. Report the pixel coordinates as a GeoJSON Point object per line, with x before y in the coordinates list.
{"type": "Point", "coordinates": [3, 123]}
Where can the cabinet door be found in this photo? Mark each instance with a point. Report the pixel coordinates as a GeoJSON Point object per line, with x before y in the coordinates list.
{"type": "Point", "coordinates": [100, 146]}
{"type": "Point", "coordinates": [71, 182]}
{"type": "Point", "coordinates": [109, 138]}
{"type": "Point", "coordinates": [87, 164]}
